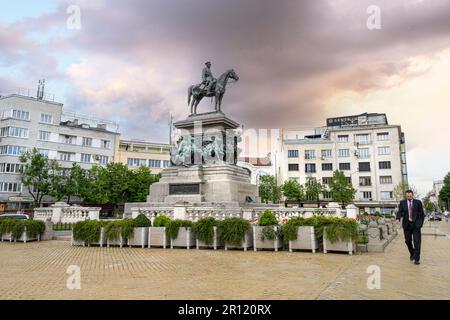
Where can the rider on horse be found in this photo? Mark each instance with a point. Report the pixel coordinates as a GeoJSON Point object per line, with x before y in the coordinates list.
{"type": "Point", "coordinates": [207, 77]}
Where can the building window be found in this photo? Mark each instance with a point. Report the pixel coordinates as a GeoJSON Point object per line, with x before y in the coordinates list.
{"type": "Point", "coordinates": [11, 168]}
{"type": "Point", "coordinates": [386, 195]}
{"type": "Point", "coordinates": [21, 115]}
{"type": "Point", "coordinates": [12, 187]}
{"type": "Point", "coordinates": [44, 152]}
{"type": "Point", "coordinates": [15, 132]}
{"type": "Point", "coordinates": [87, 142]}
{"type": "Point", "coordinates": [385, 179]}
{"type": "Point", "coordinates": [327, 195]}
{"type": "Point", "coordinates": [384, 164]}
{"type": "Point", "coordinates": [12, 150]}
{"type": "Point", "coordinates": [105, 144]}
{"type": "Point", "coordinates": [65, 156]}
{"type": "Point", "coordinates": [68, 139]}
{"type": "Point", "coordinates": [365, 181]}
{"type": "Point", "coordinates": [383, 136]}
{"type": "Point", "coordinates": [382, 151]}
{"type": "Point", "coordinates": [293, 167]}
{"type": "Point", "coordinates": [362, 138]}
{"type": "Point", "coordinates": [44, 135]}
{"type": "Point", "coordinates": [364, 167]}
{"type": "Point", "coordinates": [363, 153]}
{"type": "Point", "coordinates": [133, 162]}
{"type": "Point", "coordinates": [103, 160]}
{"type": "Point", "coordinates": [310, 167]}
{"type": "Point", "coordinates": [327, 167]}
{"type": "Point", "coordinates": [344, 166]}
{"type": "Point", "coordinates": [349, 180]}
{"type": "Point", "coordinates": [85, 158]}
{"type": "Point", "coordinates": [326, 180]}
{"type": "Point", "coordinates": [166, 163]}
{"type": "Point", "coordinates": [310, 154]}
{"type": "Point", "coordinates": [292, 153]}
{"type": "Point", "coordinates": [343, 138]}
{"type": "Point", "coordinates": [366, 195]}
{"type": "Point", "coordinates": [326, 153]}
{"type": "Point", "coordinates": [344, 153]}
{"type": "Point", "coordinates": [154, 163]}
{"type": "Point", "coordinates": [46, 118]}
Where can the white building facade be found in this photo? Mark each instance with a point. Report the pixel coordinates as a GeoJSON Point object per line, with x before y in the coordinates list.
{"type": "Point", "coordinates": [369, 151]}
{"type": "Point", "coordinates": [28, 122]}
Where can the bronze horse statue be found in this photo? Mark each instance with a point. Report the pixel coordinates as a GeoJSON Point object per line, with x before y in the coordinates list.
{"type": "Point", "coordinates": [198, 93]}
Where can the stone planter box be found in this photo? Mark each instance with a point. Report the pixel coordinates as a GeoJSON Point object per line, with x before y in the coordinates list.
{"type": "Point", "coordinates": [306, 240]}
{"type": "Point", "coordinates": [185, 239]}
{"type": "Point", "coordinates": [23, 238]}
{"type": "Point", "coordinates": [139, 237]}
{"type": "Point", "coordinates": [116, 242]}
{"type": "Point", "coordinates": [157, 237]}
{"type": "Point", "coordinates": [247, 242]}
{"type": "Point", "coordinates": [258, 243]}
{"type": "Point", "coordinates": [101, 242]}
{"type": "Point", "coordinates": [341, 246]}
{"type": "Point", "coordinates": [216, 242]}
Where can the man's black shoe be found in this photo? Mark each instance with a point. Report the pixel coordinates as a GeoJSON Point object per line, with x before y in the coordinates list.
{"type": "Point", "coordinates": [411, 258]}
{"type": "Point", "coordinates": [416, 262]}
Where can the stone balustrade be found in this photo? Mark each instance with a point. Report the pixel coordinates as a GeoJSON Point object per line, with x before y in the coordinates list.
{"type": "Point", "coordinates": [61, 212]}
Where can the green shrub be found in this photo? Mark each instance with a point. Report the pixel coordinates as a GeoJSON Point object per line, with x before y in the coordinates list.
{"type": "Point", "coordinates": [233, 230]}
{"type": "Point", "coordinates": [161, 221]}
{"type": "Point", "coordinates": [88, 231]}
{"type": "Point", "coordinates": [115, 229]}
{"type": "Point", "coordinates": [269, 233]}
{"type": "Point", "coordinates": [35, 228]}
{"type": "Point", "coordinates": [267, 219]}
{"type": "Point", "coordinates": [7, 226]}
{"type": "Point", "coordinates": [18, 227]}
{"type": "Point", "coordinates": [204, 229]}
{"type": "Point", "coordinates": [290, 228]}
{"type": "Point", "coordinates": [342, 230]}
{"type": "Point", "coordinates": [173, 226]}
{"type": "Point", "coordinates": [141, 221]}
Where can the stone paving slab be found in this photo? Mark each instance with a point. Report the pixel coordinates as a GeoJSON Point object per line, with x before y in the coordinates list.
{"type": "Point", "coordinates": [37, 270]}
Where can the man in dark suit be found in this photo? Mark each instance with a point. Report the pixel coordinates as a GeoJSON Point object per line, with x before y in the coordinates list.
{"type": "Point", "coordinates": [411, 210]}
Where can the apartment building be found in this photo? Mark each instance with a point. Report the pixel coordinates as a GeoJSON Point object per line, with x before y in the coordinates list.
{"type": "Point", "coordinates": [369, 151]}
{"type": "Point", "coordinates": [136, 153]}
{"type": "Point", "coordinates": [27, 122]}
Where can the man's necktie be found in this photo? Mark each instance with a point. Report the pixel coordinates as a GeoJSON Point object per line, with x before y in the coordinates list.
{"type": "Point", "coordinates": [410, 209]}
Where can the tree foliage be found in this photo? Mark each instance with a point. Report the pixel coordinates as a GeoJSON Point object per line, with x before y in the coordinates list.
{"type": "Point", "coordinates": [341, 190]}
{"type": "Point", "coordinates": [293, 190]}
{"type": "Point", "coordinates": [268, 189]}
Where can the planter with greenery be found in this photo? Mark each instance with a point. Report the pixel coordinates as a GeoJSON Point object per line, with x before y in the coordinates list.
{"type": "Point", "coordinates": [157, 233]}
{"type": "Point", "coordinates": [88, 232]}
{"type": "Point", "coordinates": [236, 233]}
{"type": "Point", "coordinates": [140, 234]}
{"type": "Point", "coordinates": [267, 234]}
{"type": "Point", "coordinates": [340, 235]}
{"type": "Point", "coordinates": [300, 234]}
{"type": "Point", "coordinates": [21, 230]}
{"type": "Point", "coordinates": [180, 233]}
{"type": "Point", "coordinates": [118, 232]}
{"type": "Point", "coordinates": [205, 232]}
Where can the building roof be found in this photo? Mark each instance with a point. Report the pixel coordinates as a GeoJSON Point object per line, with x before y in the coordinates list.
{"type": "Point", "coordinates": [29, 98]}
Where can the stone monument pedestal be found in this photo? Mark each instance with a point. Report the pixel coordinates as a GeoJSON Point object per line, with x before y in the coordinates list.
{"type": "Point", "coordinates": [222, 183]}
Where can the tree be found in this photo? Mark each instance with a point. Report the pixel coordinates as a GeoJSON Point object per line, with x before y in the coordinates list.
{"type": "Point", "coordinates": [268, 189]}
{"type": "Point", "coordinates": [313, 189]}
{"type": "Point", "coordinates": [400, 190]}
{"type": "Point", "coordinates": [428, 205]}
{"type": "Point", "coordinates": [70, 183]}
{"type": "Point", "coordinates": [39, 174]}
{"type": "Point", "coordinates": [341, 189]}
{"type": "Point", "coordinates": [140, 184]}
{"type": "Point", "coordinates": [293, 190]}
{"type": "Point", "coordinates": [444, 194]}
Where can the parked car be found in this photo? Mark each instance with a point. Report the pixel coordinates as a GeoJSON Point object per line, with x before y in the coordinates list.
{"type": "Point", "coordinates": [14, 216]}
{"type": "Point", "coordinates": [435, 217]}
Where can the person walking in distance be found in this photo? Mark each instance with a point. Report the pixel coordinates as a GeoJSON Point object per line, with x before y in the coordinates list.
{"type": "Point", "coordinates": [411, 211]}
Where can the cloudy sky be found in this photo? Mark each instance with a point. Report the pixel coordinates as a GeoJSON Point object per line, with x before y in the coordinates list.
{"type": "Point", "coordinates": [299, 62]}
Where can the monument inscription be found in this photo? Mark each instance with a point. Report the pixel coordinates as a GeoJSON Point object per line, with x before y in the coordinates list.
{"type": "Point", "coordinates": [186, 188]}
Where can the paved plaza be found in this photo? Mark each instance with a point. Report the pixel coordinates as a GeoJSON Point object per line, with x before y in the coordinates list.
{"type": "Point", "coordinates": [38, 271]}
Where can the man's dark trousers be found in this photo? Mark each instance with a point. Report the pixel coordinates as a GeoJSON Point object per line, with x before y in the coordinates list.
{"type": "Point", "coordinates": [413, 234]}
